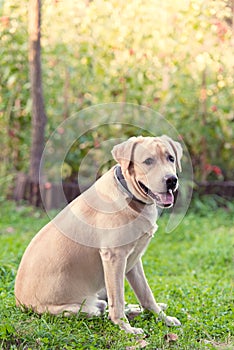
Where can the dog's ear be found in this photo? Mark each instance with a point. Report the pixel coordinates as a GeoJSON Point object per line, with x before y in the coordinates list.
{"type": "Point", "coordinates": [122, 152]}
{"type": "Point", "coordinates": [177, 148]}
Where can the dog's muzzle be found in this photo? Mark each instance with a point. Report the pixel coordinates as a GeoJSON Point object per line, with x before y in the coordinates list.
{"type": "Point", "coordinates": [163, 199]}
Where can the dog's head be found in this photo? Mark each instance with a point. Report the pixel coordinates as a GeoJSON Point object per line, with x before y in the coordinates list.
{"type": "Point", "coordinates": [149, 167]}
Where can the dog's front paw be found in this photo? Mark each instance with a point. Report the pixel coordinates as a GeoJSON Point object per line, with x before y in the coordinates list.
{"type": "Point", "coordinates": [129, 329]}
{"type": "Point", "coordinates": [172, 321]}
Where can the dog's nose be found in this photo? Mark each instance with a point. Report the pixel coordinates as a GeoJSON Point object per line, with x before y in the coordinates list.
{"type": "Point", "coordinates": [171, 182]}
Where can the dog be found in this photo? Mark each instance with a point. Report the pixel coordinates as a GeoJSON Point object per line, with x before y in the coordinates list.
{"type": "Point", "coordinates": [98, 239]}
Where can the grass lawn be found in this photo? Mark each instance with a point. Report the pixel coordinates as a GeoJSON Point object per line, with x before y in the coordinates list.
{"type": "Point", "coordinates": [190, 269]}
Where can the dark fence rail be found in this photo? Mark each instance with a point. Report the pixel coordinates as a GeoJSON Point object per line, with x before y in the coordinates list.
{"type": "Point", "coordinates": [49, 195]}
{"type": "Point", "coordinates": [223, 189]}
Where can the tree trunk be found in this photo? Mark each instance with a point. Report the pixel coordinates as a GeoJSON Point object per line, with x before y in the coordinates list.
{"type": "Point", "coordinates": [38, 111]}
{"type": "Point", "coordinates": [204, 125]}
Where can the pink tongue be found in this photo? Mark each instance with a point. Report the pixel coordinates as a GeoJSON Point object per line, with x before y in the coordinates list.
{"type": "Point", "coordinates": [166, 198]}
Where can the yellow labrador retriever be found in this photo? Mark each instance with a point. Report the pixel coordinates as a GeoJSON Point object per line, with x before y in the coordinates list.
{"type": "Point", "coordinates": [100, 237]}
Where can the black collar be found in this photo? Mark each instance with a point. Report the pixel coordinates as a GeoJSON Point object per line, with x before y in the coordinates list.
{"type": "Point", "coordinates": [121, 180]}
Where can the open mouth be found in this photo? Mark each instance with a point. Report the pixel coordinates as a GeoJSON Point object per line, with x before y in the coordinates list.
{"type": "Point", "coordinates": [163, 199]}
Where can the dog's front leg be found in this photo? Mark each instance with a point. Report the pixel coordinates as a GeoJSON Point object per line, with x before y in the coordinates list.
{"type": "Point", "coordinates": [137, 280]}
{"type": "Point", "coordinates": [114, 265]}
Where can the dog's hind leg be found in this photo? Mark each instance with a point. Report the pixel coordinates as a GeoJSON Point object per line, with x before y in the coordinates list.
{"type": "Point", "coordinates": [66, 309]}
{"type": "Point", "coordinates": [91, 307]}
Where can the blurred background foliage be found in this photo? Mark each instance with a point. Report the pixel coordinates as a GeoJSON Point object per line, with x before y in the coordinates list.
{"type": "Point", "coordinates": [175, 57]}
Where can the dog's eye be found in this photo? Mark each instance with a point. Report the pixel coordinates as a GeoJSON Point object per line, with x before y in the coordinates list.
{"type": "Point", "coordinates": [171, 158]}
{"type": "Point", "coordinates": [148, 161]}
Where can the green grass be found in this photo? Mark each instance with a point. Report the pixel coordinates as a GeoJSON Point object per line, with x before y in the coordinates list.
{"type": "Point", "coordinates": [190, 269]}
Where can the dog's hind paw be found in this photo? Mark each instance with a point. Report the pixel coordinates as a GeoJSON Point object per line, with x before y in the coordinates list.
{"type": "Point", "coordinates": [132, 310]}
{"type": "Point", "coordinates": [101, 306]}
{"type": "Point", "coordinates": [162, 306]}
{"type": "Point", "coordinates": [172, 321]}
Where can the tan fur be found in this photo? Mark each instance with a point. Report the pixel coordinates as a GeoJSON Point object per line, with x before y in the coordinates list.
{"type": "Point", "coordinates": [98, 239]}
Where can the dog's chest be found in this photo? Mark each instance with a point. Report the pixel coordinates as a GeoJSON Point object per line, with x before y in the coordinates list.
{"type": "Point", "coordinates": [137, 251]}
